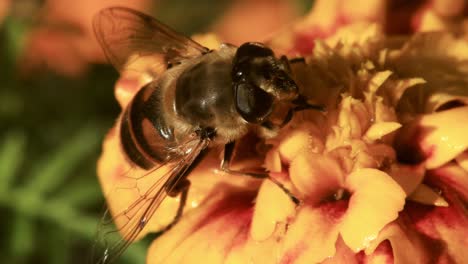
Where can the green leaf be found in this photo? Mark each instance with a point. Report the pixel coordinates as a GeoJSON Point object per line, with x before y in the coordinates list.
{"type": "Point", "coordinates": [51, 171]}
{"type": "Point", "coordinates": [22, 236]}
{"type": "Point", "coordinates": [15, 36]}
{"type": "Point", "coordinates": [12, 153]}
{"type": "Point", "coordinates": [59, 246]}
{"type": "Point", "coordinates": [83, 192]}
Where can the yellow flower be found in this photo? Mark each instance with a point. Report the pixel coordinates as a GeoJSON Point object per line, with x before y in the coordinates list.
{"type": "Point", "coordinates": [382, 176]}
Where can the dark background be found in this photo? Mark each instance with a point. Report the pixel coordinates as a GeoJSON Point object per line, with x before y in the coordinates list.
{"type": "Point", "coordinates": [56, 104]}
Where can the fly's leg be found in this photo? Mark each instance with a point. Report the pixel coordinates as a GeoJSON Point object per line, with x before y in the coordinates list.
{"type": "Point", "coordinates": [287, 62]}
{"type": "Point", "coordinates": [226, 163]}
{"type": "Point", "coordinates": [297, 60]}
{"type": "Point", "coordinates": [180, 186]}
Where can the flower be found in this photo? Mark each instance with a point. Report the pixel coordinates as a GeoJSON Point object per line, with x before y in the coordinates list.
{"type": "Point", "coordinates": [382, 176]}
{"type": "Point", "coordinates": [4, 9]}
{"type": "Point", "coordinates": [63, 41]}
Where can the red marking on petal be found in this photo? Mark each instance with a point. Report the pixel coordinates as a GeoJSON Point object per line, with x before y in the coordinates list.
{"type": "Point", "coordinates": [407, 144]}
{"type": "Point", "coordinates": [384, 249]}
{"type": "Point", "coordinates": [336, 209]}
{"type": "Point", "coordinates": [450, 177]}
{"type": "Point", "coordinates": [420, 217]}
{"type": "Point", "coordinates": [235, 212]}
{"type": "Point", "coordinates": [291, 255]}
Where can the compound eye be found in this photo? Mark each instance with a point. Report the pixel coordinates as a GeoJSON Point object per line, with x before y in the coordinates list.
{"type": "Point", "coordinates": [252, 50]}
{"type": "Point", "coordinates": [252, 103]}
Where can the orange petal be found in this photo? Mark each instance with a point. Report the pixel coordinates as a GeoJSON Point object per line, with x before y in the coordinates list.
{"type": "Point", "coordinates": [272, 206]}
{"type": "Point", "coordinates": [375, 202]}
{"type": "Point", "coordinates": [425, 195]}
{"type": "Point", "coordinates": [435, 138]}
{"type": "Point", "coordinates": [220, 233]}
{"type": "Point", "coordinates": [377, 130]}
{"type": "Point", "coordinates": [122, 187]}
{"type": "Point", "coordinates": [406, 245]}
{"type": "Point", "coordinates": [273, 161]}
{"type": "Point", "coordinates": [408, 177]}
{"type": "Point", "coordinates": [446, 135]}
{"type": "Point", "coordinates": [304, 137]}
{"type": "Point", "coordinates": [444, 228]}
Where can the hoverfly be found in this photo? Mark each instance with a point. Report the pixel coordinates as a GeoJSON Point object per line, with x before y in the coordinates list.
{"type": "Point", "coordinates": [202, 98]}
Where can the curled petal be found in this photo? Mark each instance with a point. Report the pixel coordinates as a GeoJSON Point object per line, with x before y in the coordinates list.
{"type": "Point", "coordinates": [435, 138]}
{"type": "Point", "coordinates": [353, 118]}
{"type": "Point", "coordinates": [377, 80]}
{"type": "Point", "coordinates": [378, 130]}
{"type": "Point", "coordinates": [406, 245]}
{"type": "Point", "coordinates": [440, 100]}
{"type": "Point", "coordinates": [376, 200]}
{"type": "Point", "coordinates": [316, 176]}
{"type": "Point", "coordinates": [393, 90]}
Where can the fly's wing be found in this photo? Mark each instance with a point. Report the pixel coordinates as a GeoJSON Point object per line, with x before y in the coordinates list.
{"type": "Point", "coordinates": [127, 36]}
{"type": "Point", "coordinates": [112, 241]}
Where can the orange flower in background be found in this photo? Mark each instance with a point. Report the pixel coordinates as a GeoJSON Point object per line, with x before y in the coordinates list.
{"type": "Point", "coordinates": [382, 176]}
{"type": "Point", "coordinates": [64, 41]}
{"type": "Point", "coordinates": [4, 9]}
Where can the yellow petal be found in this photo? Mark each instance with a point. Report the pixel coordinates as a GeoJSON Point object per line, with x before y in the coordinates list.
{"type": "Point", "coordinates": [301, 138]}
{"type": "Point", "coordinates": [316, 176]}
{"type": "Point", "coordinates": [273, 161]}
{"type": "Point", "coordinates": [378, 130]}
{"type": "Point", "coordinates": [394, 89]}
{"type": "Point", "coordinates": [439, 99]}
{"type": "Point", "coordinates": [446, 135]}
{"type": "Point", "coordinates": [353, 117]}
{"type": "Point", "coordinates": [376, 200]}
{"type": "Point", "coordinates": [311, 237]}
{"type": "Point", "coordinates": [123, 185]}
{"type": "Point", "coordinates": [210, 233]}
{"type": "Point", "coordinates": [272, 206]}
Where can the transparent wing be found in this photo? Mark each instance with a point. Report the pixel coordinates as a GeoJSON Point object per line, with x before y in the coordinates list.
{"type": "Point", "coordinates": [127, 35]}
{"type": "Point", "coordinates": [112, 241]}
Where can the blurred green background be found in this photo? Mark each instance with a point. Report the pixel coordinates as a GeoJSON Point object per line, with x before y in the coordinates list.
{"type": "Point", "coordinates": [56, 104]}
